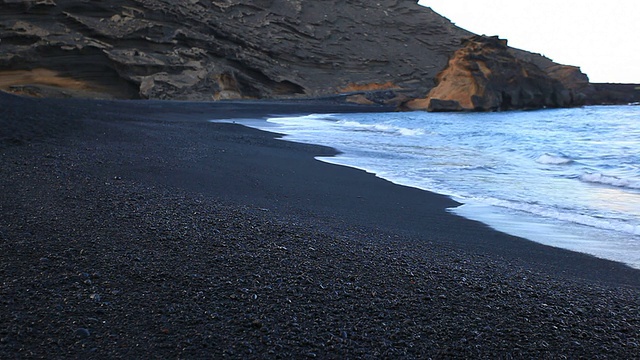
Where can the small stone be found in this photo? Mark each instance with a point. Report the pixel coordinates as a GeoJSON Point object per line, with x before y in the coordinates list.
{"type": "Point", "coordinates": [83, 333]}
{"type": "Point", "coordinates": [256, 324]}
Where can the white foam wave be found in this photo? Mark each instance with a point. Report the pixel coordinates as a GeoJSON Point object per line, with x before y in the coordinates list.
{"type": "Point", "coordinates": [617, 225]}
{"type": "Point", "coordinates": [551, 159]}
{"type": "Point", "coordinates": [382, 128]}
{"type": "Point", "coordinates": [303, 120]}
{"type": "Point", "coordinates": [612, 224]}
{"type": "Point", "coordinates": [612, 245]}
{"type": "Point", "coordinates": [324, 120]}
{"type": "Point", "coordinates": [598, 178]}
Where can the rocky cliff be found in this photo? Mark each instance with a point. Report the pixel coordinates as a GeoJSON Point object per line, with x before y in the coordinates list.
{"type": "Point", "coordinates": [191, 49]}
{"type": "Point", "coordinates": [484, 76]}
{"type": "Point", "coordinates": [385, 51]}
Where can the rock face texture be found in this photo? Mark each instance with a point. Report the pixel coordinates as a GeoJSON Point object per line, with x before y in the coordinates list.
{"type": "Point", "coordinates": [484, 76]}
{"type": "Point", "coordinates": [614, 94]}
{"type": "Point", "coordinates": [224, 49]}
{"type": "Point", "coordinates": [574, 80]}
{"type": "Point", "coordinates": [387, 51]}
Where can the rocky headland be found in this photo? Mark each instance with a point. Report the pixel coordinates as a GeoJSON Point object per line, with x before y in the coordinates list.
{"type": "Point", "coordinates": [389, 51]}
{"type": "Point", "coordinates": [484, 76]}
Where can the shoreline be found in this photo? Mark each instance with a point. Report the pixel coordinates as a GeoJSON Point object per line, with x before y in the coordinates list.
{"type": "Point", "coordinates": [126, 232]}
{"type": "Point", "coordinates": [568, 236]}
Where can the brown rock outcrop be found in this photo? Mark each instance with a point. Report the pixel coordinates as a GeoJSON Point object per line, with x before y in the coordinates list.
{"type": "Point", "coordinates": [484, 76]}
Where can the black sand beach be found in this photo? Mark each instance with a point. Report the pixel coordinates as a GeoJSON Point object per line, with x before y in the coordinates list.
{"type": "Point", "coordinates": [141, 230]}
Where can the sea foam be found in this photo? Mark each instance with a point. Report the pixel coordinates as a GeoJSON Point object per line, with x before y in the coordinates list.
{"type": "Point", "coordinates": [565, 215]}
{"type": "Point", "coordinates": [485, 161]}
{"type": "Point", "coordinates": [598, 178]}
{"type": "Point", "coordinates": [551, 159]}
{"type": "Point", "coordinates": [382, 128]}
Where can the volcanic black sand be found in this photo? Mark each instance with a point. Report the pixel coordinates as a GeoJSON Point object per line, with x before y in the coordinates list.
{"type": "Point", "coordinates": [141, 230]}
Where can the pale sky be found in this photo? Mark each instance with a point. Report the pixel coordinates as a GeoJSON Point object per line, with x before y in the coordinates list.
{"type": "Point", "coordinates": [600, 36]}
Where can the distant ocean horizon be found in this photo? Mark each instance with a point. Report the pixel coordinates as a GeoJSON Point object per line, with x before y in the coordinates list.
{"type": "Point", "coordinates": [568, 178]}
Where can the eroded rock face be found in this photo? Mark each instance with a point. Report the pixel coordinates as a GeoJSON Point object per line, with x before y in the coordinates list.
{"type": "Point", "coordinates": [571, 77]}
{"type": "Point", "coordinates": [387, 51]}
{"type": "Point", "coordinates": [226, 49]}
{"type": "Point", "coordinates": [484, 76]}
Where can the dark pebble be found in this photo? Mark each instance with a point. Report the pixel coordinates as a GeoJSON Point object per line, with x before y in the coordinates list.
{"type": "Point", "coordinates": [83, 333]}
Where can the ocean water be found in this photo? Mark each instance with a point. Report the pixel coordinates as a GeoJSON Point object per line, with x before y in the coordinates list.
{"type": "Point", "coordinates": [569, 178]}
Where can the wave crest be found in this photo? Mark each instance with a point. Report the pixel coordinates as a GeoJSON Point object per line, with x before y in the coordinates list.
{"type": "Point", "coordinates": [598, 178]}
{"type": "Point", "coordinates": [551, 159]}
{"type": "Point", "coordinates": [618, 225]}
{"type": "Point", "coordinates": [383, 128]}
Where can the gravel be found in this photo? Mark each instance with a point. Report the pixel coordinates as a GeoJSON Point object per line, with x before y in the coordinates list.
{"type": "Point", "coordinates": [98, 263]}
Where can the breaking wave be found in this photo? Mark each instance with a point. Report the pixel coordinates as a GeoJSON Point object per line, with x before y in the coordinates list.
{"type": "Point", "coordinates": [382, 128]}
{"type": "Point", "coordinates": [551, 159]}
{"type": "Point", "coordinates": [598, 178]}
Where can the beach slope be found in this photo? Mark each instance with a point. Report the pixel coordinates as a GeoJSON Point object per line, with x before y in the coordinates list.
{"type": "Point", "coordinates": [142, 230]}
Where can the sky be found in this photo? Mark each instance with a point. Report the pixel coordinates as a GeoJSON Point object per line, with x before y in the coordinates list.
{"type": "Point", "coordinates": [601, 37]}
